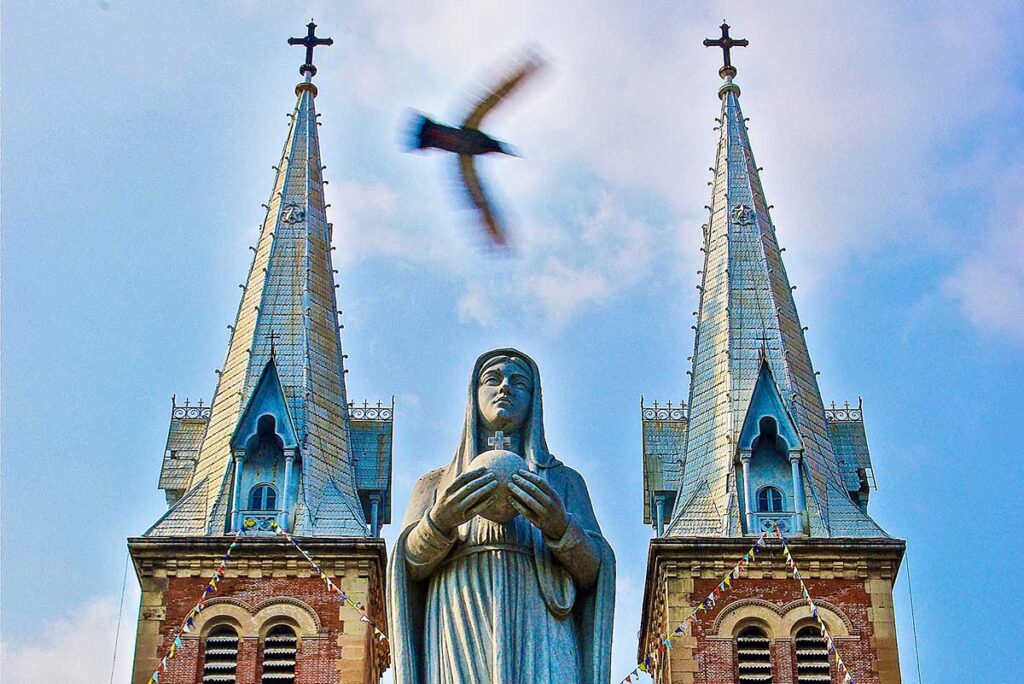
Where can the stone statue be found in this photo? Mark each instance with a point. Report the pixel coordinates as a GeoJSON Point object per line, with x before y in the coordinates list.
{"type": "Point", "coordinates": [481, 594]}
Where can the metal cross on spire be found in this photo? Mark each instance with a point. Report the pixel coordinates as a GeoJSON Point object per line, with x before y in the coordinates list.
{"type": "Point", "coordinates": [726, 42]}
{"type": "Point", "coordinates": [310, 41]}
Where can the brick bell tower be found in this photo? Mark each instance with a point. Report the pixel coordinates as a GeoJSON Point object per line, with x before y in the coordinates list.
{"type": "Point", "coordinates": [278, 448]}
{"type": "Point", "coordinates": [756, 448]}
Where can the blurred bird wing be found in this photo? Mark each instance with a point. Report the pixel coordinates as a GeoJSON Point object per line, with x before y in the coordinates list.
{"type": "Point", "coordinates": [485, 105]}
{"type": "Point", "coordinates": [471, 181]}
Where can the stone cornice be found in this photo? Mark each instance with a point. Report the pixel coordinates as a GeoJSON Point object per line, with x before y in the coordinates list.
{"type": "Point", "coordinates": [815, 556]}
{"type": "Point", "coordinates": [260, 556]}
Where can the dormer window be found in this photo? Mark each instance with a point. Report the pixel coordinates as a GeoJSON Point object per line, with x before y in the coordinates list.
{"type": "Point", "coordinates": [263, 497]}
{"type": "Point", "coordinates": [769, 500]}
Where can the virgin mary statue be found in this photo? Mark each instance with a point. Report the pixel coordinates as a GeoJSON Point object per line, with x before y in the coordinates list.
{"type": "Point", "coordinates": [529, 600]}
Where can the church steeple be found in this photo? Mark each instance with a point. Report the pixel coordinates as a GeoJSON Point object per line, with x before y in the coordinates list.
{"type": "Point", "coordinates": [279, 448]}
{"type": "Point", "coordinates": [284, 360]}
{"type": "Point", "coordinates": [756, 452]}
{"type": "Point", "coordinates": [749, 336]}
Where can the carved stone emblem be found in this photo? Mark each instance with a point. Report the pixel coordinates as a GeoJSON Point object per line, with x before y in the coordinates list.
{"type": "Point", "coordinates": [743, 214]}
{"type": "Point", "coordinates": [293, 213]}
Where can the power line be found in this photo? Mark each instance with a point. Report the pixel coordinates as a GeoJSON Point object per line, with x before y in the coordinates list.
{"type": "Point", "coordinates": [120, 609]}
{"type": "Point", "coordinates": [913, 619]}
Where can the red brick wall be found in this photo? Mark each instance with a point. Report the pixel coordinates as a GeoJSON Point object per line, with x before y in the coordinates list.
{"type": "Point", "coordinates": [716, 658]}
{"type": "Point", "coordinates": [318, 656]}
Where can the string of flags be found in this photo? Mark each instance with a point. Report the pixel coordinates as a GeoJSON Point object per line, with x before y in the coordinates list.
{"type": "Point", "coordinates": [847, 678]}
{"type": "Point", "coordinates": [332, 588]}
{"type": "Point", "coordinates": [652, 659]}
{"type": "Point", "coordinates": [650, 662]}
{"type": "Point", "coordinates": [189, 623]}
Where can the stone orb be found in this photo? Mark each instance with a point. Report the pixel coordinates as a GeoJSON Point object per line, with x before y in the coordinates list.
{"type": "Point", "coordinates": [504, 464]}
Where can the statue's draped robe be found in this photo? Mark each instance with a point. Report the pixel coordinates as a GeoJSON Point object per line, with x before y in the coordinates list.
{"type": "Point", "coordinates": [500, 608]}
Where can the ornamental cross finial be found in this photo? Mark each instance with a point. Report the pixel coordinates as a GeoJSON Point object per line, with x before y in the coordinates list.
{"type": "Point", "coordinates": [310, 41]}
{"type": "Point", "coordinates": [726, 42]}
{"type": "Point", "coordinates": [499, 441]}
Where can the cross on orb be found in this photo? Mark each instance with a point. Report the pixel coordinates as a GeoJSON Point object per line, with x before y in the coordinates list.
{"type": "Point", "coordinates": [499, 441]}
{"type": "Point", "coordinates": [310, 41]}
{"type": "Point", "coordinates": [726, 42]}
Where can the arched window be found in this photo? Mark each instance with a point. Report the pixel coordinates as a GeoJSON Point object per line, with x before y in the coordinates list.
{"type": "Point", "coordinates": [220, 655]}
{"type": "Point", "coordinates": [263, 497]}
{"type": "Point", "coordinates": [812, 663]}
{"type": "Point", "coordinates": [279, 649]}
{"type": "Point", "coordinates": [769, 500]}
{"type": "Point", "coordinates": [753, 657]}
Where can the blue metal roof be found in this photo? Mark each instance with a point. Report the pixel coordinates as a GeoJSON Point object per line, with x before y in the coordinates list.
{"type": "Point", "coordinates": [289, 306]}
{"type": "Point", "coordinates": [747, 313]}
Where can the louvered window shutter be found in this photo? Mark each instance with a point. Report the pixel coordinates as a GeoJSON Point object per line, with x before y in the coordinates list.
{"type": "Point", "coordinates": [812, 664]}
{"type": "Point", "coordinates": [753, 657]}
{"type": "Point", "coordinates": [279, 650]}
{"type": "Point", "coordinates": [220, 656]}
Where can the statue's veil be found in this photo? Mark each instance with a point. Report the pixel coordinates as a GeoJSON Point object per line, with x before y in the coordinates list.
{"type": "Point", "coordinates": [534, 446]}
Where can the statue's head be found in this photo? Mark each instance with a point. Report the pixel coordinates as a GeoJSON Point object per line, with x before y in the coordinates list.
{"type": "Point", "coordinates": [504, 393]}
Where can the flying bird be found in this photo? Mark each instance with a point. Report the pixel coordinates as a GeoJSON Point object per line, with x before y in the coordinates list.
{"type": "Point", "coordinates": [468, 142]}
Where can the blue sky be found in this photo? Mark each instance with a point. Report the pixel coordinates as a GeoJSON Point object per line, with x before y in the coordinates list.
{"type": "Point", "coordinates": [137, 142]}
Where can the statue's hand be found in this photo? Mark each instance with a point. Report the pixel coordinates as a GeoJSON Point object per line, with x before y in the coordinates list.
{"type": "Point", "coordinates": [539, 503]}
{"type": "Point", "coordinates": [460, 501]}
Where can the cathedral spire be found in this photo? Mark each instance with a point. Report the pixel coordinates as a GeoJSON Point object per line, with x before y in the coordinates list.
{"type": "Point", "coordinates": [749, 337]}
{"type": "Point", "coordinates": [282, 385]}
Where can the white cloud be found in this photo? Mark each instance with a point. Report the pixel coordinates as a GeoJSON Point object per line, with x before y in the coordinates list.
{"type": "Point", "coordinates": [74, 649]}
{"type": "Point", "coordinates": [843, 128]}
{"type": "Point", "coordinates": [988, 283]}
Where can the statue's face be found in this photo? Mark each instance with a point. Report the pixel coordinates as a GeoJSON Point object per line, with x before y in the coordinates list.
{"type": "Point", "coordinates": [504, 393]}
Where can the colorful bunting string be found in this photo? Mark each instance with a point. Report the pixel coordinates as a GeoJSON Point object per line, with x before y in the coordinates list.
{"type": "Point", "coordinates": [652, 659]}
{"type": "Point", "coordinates": [188, 624]}
{"type": "Point", "coordinates": [847, 678]}
{"type": "Point", "coordinates": [333, 588]}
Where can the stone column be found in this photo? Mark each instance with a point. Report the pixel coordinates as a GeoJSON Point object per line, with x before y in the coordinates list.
{"type": "Point", "coordinates": [798, 490]}
{"type": "Point", "coordinates": [283, 517]}
{"type": "Point", "coordinates": [745, 459]}
{"type": "Point", "coordinates": [374, 515]}
{"type": "Point", "coordinates": [239, 458]}
{"type": "Point", "coordinates": [660, 513]}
